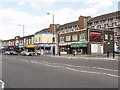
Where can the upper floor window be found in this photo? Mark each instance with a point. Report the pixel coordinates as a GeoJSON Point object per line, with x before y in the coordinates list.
{"type": "Point", "coordinates": [68, 38]}
{"type": "Point", "coordinates": [74, 37]}
{"type": "Point", "coordinates": [61, 39]}
{"type": "Point", "coordinates": [83, 37]}
{"type": "Point", "coordinates": [39, 39]}
{"type": "Point", "coordinates": [98, 26]}
{"type": "Point", "coordinates": [111, 37]}
{"type": "Point", "coordinates": [106, 36]}
{"type": "Point", "coordinates": [109, 24]}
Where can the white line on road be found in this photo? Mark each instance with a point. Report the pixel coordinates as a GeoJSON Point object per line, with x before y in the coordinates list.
{"type": "Point", "coordinates": [71, 67]}
{"type": "Point", "coordinates": [2, 86]}
{"type": "Point", "coordinates": [66, 67]}
{"type": "Point", "coordinates": [82, 66]}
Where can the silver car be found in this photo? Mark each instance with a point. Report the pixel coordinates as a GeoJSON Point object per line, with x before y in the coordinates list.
{"type": "Point", "coordinates": [117, 51]}
{"type": "Point", "coordinates": [26, 53]}
{"type": "Point", "coordinates": [7, 52]}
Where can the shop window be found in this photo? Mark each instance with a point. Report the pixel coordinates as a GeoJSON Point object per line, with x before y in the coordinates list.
{"type": "Point", "coordinates": [48, 50]}
{"type": "Point", "coordinates": [74, 37]}
{"type": "Point", "coordinates": [68, 38]}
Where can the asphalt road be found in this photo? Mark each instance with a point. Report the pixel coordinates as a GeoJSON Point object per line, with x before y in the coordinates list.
{"type": "Point", "coordinates": [53, 72]}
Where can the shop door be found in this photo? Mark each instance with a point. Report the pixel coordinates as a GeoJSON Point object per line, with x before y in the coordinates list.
{"type": "Point", "coordinates": [53, 50]}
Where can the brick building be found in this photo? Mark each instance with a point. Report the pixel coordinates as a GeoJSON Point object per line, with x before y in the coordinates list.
{"type": "Point", "coordinates": [110, 22]}
{"type": "Point", "coordinates": [73, 36]}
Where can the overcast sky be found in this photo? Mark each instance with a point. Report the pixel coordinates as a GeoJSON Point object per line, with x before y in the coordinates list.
{"type": "Point", "coordinates": [32, 13]}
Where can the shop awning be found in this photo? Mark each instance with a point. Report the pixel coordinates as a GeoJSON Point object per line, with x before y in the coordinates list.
{"type": "Point", "coordinates": [30, 46]}
{"type": "Point", "coordinates": [82, 44]}
{"type": "Point", "coordinates": [79, 45]}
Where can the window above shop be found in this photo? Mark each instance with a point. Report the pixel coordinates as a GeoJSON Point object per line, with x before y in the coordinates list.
{"type": "Point", "coordinates": [74, 37]}
{"type": "Point", "coordinates": [82, 37]}
{"type": "Point", "coordinates": [111, 37]}
{"type": "Point", "coordinates": [61, 39]}
{"type": "Point", "coordinates": [106, 36]}
{"type": "Point", "coordinates": [68, 38]}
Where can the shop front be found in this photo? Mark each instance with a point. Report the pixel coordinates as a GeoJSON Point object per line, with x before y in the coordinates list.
{"type": "Point", "coordinates": [65, 48]}
{"type": "Point", "coordinates": [11, 48]}
{"type": "Point", "coordinates": [16, 48]}
{"type": "Point", "coordinates": [30, 48]}
{"type": "Point", "coordinates": [80, 48]}
{"type": "Point", "coordinates": [69, 48]}
{"type": "Point", "coordinates": [45, 49]}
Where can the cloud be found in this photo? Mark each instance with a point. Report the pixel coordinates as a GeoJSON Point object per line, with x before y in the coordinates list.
{"type": "Point", "coordinates": [67, 15]}
{"type": "Point", "coordinates": [22, 3]}
{"type": "Point", "coordinates": [37, 3]}
{"type": "Point", "coordinates": [11, 18]}
{"type": "Point", "coordinates": [99, 3]}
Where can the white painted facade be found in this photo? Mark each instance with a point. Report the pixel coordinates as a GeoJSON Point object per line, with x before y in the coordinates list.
{"type": "Point", "coordinates": [97, 48]}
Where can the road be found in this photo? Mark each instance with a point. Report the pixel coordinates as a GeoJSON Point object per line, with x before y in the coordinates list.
{"type": "Point", "coordinates": [53, 72]}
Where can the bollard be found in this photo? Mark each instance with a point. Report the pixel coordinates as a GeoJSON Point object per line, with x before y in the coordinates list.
{"type": "Point", "coordinates": [74, 54]}
{"type": "Point", "coordinates": [59, 54]}
{"type": "Point", "coordinates": [113, 54]}
{"type": "Point", "coordinates": [107, 54]}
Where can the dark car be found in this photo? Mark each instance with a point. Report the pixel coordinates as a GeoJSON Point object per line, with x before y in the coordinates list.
{"type": "Point", "coordinates": [14, 53]}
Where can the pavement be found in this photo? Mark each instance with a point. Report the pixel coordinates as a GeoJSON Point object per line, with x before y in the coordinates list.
{"type": "Point", "coordinates": [90, 56]}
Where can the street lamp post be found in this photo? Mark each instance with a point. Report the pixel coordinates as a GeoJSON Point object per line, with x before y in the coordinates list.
{"type": "Point", "coordinates": [53, 39]}
{"type": "Point", "coordinates": [23, 33]}
{"type": "Point", "coordinates": [23, 29]}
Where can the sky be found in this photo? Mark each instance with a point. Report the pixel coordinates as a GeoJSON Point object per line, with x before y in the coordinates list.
{"type": "Point", "coordinates": [33, 14]}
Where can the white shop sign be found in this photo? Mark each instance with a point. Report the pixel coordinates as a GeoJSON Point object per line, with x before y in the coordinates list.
{"type": "Point", "coordinates": [63, 52]}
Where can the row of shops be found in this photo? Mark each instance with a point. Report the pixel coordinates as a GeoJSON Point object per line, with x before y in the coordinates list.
{"type": "Point", "coordinates": [69, 43]}
{"type": "Point", "coordinates": [43, 49]}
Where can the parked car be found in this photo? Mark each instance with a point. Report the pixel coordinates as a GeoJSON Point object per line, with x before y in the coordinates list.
{"type": "Point", "coordinates": [7, 53]}
{"type": "Point", "coordinates": [14, 53]}
{"type": "Point", "coordinates": [117, 51]}
{"type": "Point", "coordinates": [26, 53]}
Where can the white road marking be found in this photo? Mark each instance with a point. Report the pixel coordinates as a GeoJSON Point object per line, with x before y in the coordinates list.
{"type": "Point", "coordinates": [72, 69]}
{"type": "Point", "coordinates": [69, 67]}
{"type": "Point", "coordinates": [82, 66]}
{"type": "Point", "coordinates": [2, 87]}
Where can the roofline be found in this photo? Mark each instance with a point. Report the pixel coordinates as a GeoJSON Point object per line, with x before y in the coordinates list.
{"type": "Point", "coordinates": [103, 15]}
{"type": "Point", "coordinates": [44, 33]}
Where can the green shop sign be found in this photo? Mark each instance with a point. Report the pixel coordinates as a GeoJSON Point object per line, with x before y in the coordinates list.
{"type": "Point", "coordinates": [82, 44]}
